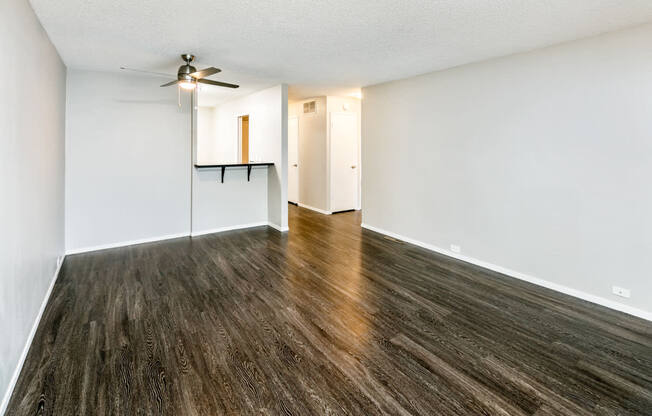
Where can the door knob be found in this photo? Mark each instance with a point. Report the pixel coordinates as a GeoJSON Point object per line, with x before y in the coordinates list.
{"type": "Point", "coordinates": [295, 165]}
{"type": "Point", "coordinates": [353, 167]}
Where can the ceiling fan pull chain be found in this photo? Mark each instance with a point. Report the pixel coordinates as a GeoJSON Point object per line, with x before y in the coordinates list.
{"type": "Point", "coordinates": [179, 95]}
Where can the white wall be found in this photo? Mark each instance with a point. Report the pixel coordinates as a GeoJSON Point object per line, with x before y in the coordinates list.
{"type": "Point", "coordinates": [215, 137]}
{"type": "Point", "coordinates": [539, 162]}
{"type": "Point", "coordinates": [32, 128]}
{"type": "Point", "coordinates": [206, 135]}
{"type": "Point", "coordinates": [127, 160]}
{"type": "Point", "coordinates": [238, 202]}
{"type": "Point", "coordinates": [313, 154]}
{"type": "Point", "coordinates": [232, 204]}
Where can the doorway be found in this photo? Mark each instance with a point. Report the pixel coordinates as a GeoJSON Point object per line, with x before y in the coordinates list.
{"type": "Point", "coordinates": [293, 160]}
{"type": "Point", "coordinates": [243, 139]}
{"type": "Point", "coordinates": [323, 159]}
{"type": "Point", "coordinates": [343, 161]}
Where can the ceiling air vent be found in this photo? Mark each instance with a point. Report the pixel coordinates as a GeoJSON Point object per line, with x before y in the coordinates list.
{"type": "Point", "coordinates": [309, 107]}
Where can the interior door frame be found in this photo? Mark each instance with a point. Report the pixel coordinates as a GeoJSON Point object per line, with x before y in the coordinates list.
{"type": "Point", "coordinates": [299, 165]}
{"type": "Point", "coordinates": [239, 150]}
{"type": "Point", "coordinates": [329, 149]}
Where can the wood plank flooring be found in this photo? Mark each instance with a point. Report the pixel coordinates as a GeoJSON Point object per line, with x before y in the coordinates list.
{"type": "Point", "coordinates": [328, 319]}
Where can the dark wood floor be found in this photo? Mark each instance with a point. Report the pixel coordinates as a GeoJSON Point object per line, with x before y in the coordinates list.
{"type": "Point", "coordinates": [329, 319]}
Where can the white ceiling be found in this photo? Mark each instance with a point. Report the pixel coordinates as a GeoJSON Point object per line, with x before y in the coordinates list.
{"type": "Point", "coordinates": [318, 46]}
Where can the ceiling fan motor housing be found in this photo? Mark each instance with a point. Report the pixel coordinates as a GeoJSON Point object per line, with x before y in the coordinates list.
{"type": "Point", "coordinates": [185, 70]}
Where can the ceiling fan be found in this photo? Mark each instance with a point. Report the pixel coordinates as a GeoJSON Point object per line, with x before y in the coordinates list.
{"type": "Point", "coordinates": [188, 76]}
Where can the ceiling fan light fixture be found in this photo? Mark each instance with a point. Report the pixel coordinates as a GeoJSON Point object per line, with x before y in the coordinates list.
{"type": "Point", "coordinates": [188, 85]}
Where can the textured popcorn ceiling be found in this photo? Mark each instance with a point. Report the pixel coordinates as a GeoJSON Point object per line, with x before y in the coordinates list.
{"type": "Point", "coordinates": [319, 44]}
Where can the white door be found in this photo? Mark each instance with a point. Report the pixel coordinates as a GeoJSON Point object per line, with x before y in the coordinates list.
{"type": "Point", "coordinates": [293, 159]}
{"type": "Point", "coordinates": [344, 161]}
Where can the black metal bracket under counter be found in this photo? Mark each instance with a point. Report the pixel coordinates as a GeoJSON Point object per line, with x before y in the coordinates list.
{"type": "Point", "coordinates": [235, 165]}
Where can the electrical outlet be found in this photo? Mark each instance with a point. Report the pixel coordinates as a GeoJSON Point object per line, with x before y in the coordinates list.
{"type": "Point", "coordinates": [456, 248]}
{"type": "Point", "coordinates": [619, 291]}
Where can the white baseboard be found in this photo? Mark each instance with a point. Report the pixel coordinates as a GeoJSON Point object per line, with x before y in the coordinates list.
{"type": "Point", "coordinates": [521, 276]}
{"type": "Point", "coordinates": [28, 343]}
{"type": "Point", "coordinates": [126, 243]}
{"type": "Point", "coordinates": [278, 227]}
{"type": "Point", "coordinates": [171, 236]}
{"type": "Point", "coordinates": [321, 211]}
{"type": "Point", "coordinates": [229, 228]}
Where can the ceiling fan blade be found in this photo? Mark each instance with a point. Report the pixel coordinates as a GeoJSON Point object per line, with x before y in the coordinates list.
{"type": "Point", "coordinates": [205, 72]}
{"type": "Point", "coordinates": [143, 71]}
{"type": "Point", "coordinates": [219, 84]}
{"type": "Point", "coordinates": [170, 83]}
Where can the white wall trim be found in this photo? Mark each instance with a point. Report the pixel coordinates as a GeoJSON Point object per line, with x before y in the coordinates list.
{"type": "Point", "coordinates": [321, 211]}
{"type": "Point", "coordinates": [171, 236]}
{"type": "Point", "coordinates": [229, 228]}
{"type": "Point", "coordinates": [521, 276]}
{"type": "Point", "coordinates": [278, 227]}
{"type": "Point", "coordinates": [126, 243]}
{"type": "Point", "coordinates": [28, 343]}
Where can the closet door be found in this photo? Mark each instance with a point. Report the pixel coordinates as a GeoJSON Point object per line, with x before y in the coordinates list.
{"type": "Point", "coordinates": [343, 161]}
